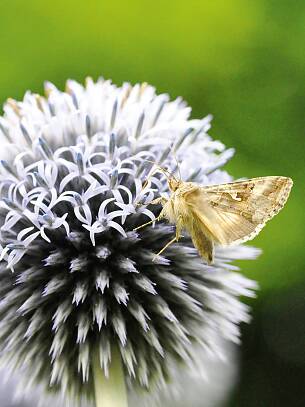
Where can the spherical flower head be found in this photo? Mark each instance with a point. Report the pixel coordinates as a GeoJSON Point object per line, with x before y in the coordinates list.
{"type": "Point", "coordinates": [75, 278]}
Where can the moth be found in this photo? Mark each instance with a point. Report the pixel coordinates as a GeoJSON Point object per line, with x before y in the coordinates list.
{"type": "Point", "coordinates": [221, 214]}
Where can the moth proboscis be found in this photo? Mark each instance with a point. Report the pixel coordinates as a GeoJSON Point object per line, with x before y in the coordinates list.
{"type": "Point", "coordinates": [221, 214]}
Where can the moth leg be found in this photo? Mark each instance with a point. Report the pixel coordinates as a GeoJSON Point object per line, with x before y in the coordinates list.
{"type": "Point", "coordinates": [157, 201]}
{"type": "Point", "coordinates": [161, 215]}
{"type": "Point", "coordinates": [146, 224]}
{"type": "Point", "coordinates": [174, 239]}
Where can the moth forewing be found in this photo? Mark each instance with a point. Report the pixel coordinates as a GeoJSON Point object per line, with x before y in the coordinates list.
{"type": "Point", "coordinates": [236, 212]}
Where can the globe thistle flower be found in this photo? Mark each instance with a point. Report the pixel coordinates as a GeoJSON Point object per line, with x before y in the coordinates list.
{"type": "Point", "coordinates": [75, 279]}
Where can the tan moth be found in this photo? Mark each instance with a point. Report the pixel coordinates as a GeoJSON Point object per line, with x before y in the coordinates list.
{"type": "Point", "coordinates": [221, 214]}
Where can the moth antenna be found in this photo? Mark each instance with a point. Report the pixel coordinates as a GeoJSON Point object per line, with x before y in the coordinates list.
{"type": "Point", "coordinates": [146, 182]}
{"type": "Point", "coordinates": [178, 165]}
{"type": "Point", "coordinates": [161, 169]}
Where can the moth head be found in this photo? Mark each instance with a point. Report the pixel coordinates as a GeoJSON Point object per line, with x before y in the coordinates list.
{"type": "Point", "coordinates": [173, 183]}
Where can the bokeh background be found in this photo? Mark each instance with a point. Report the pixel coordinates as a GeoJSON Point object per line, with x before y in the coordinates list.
{"type": "Point", "coordinates": [242, 61]}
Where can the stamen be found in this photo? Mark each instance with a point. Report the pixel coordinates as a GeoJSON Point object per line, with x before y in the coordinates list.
{"type": "Point", "coordinates": [139, 126]}
{"type": "Point", "coordinates": [45, 149]}
{"type": "Point", "coordinates": [113, 114]}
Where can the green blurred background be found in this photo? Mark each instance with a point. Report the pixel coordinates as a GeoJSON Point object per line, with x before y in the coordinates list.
{"type": "Point", "coordinates": [242, 61]}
